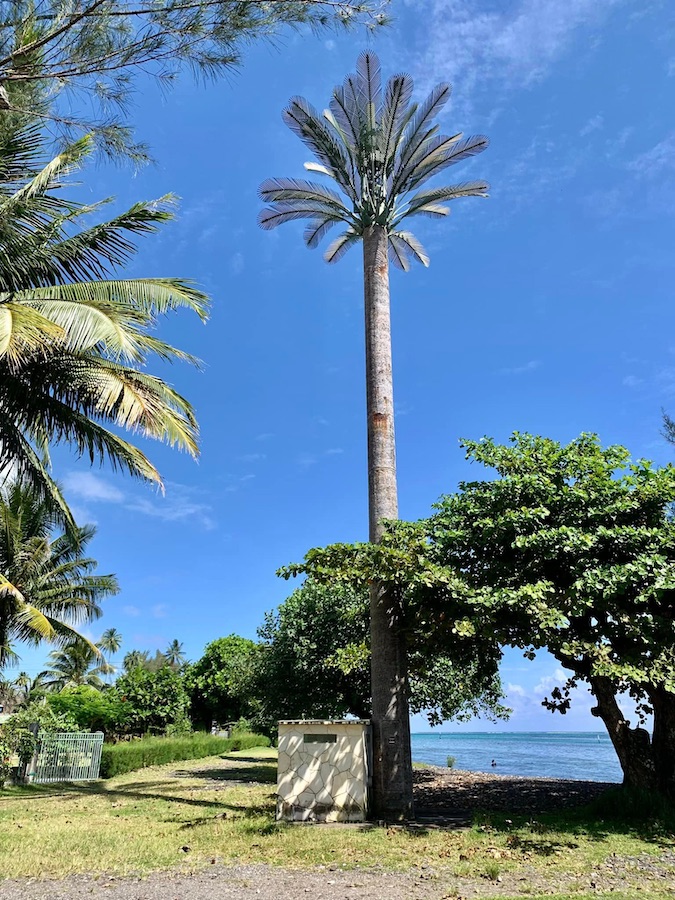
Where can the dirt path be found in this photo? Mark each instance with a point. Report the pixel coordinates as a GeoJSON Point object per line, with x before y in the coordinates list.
{"type": "Point", "coordinates": [633, 877]}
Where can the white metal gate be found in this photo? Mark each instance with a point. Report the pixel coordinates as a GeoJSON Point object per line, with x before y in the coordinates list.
{"type": "Point", "coordinates": [67, 757]}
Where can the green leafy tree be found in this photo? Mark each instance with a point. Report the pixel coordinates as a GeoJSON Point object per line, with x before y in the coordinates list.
{"type": "Point", "coordinates": [76, 664]}
{"type": "Point", "coordinates": [219, 682]}
{"type": "Point", "coordinates": [74, 344]}
{"type": "Point", "coordinates": [379, 150]}
{"type": "Point", "coordinates": [155, 700]}
{"type": "Point", "coordinates": [313, 662]}
{"type": "Point", "coordinates": [135, 659]}
{"type": "Point", "coordinates": [99, 47]}
{"type": "Point", "coordinates": [91, 709]}
{"type": "Point", "coordinates": [570, 548]}
{"type": "Point", "coordinates": [48, 587]}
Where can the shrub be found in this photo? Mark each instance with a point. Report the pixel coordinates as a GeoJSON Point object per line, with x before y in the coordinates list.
{"type": "Point", "coordinates": [153, 700]}
{"type": "Point", "coordinates": [117, 759]}
{"type": "Point", "coordinates": [451, 761]}
{"type": "Point", "coordinates": [90, 709]}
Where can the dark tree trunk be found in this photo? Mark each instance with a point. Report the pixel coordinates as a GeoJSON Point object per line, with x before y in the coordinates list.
{"type": "Point", "coordinates": [392, 761]}
{"type": "Point", "coordinates": [632, 745]}
{"type": "Point", "coordinates": [663, 741]}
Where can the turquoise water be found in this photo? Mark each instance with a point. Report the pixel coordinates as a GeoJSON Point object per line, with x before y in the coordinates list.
{"type": "Point", "coordinates": [578, 755]}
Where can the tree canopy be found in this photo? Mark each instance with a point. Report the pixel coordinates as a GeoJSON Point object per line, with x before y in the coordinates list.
{"type": "Point", "coordinates": [570, 548]}
{"type": "Point", "coordinates": [97, 48]}
{"type": "Point", "coordinates": [219, 682]}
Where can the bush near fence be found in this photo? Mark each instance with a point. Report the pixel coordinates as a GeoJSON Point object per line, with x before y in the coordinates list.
{"type": "Point", "coordinates": [116, 759]}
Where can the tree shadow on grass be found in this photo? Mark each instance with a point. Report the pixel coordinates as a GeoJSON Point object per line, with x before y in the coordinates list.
{"type": "Point", "coordinates": [253, 774]}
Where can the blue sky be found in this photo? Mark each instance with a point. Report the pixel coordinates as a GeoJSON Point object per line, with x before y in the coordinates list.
{"type": "Point", "coordinates": [548, 307]}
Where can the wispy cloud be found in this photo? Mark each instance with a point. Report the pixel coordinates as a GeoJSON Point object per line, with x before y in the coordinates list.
{"type": "Point", "coordinates": [237, 264]}
{"type": "Point", "coordinates": [180, 502]}
{"type": "Point", "coordinates": [521, 370]}
{"type": "Point", "coordinates": [654, 162]}
{"type": "Point", "coordinates": [334, 451]}
{"type": "Point", "coordinates": [507, 48]}
{"type": "Point", "coordinates": [92, 488]}
{"type": "Point", "coordinates": [631, 381]}
{"type": "Point", "coordinates": [252, 457]}
{"type": "Point", "coordinates": [593, 124]}
{"type": "Point", "coordinates": [133, 611]}
{"type": "Point", "coordinates": [158, 611]}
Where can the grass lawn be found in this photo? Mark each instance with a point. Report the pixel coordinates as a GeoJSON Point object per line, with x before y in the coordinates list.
{"type": "Point", "coordinates": [189, 814]}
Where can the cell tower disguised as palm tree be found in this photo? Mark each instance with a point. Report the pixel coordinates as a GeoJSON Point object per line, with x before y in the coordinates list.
{"type": "Point", "coordinates": [379, 149]}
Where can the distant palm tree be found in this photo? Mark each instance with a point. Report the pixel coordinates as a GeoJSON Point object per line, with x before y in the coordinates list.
{"type": "Point", "coordinates": [74, 342]}
{"type": "Point", "coordinates": [47, 586]}
{"type": "Point", "coordinates": [379, 149]}
{"type": "Point", "coordinates": [174, 654]}
{"type": "Point", "coordinates": [135, 658]}
{"type": "Point", "coordinates": [110, 641]}
{"type": "Point", "coordinates": [74, 665]}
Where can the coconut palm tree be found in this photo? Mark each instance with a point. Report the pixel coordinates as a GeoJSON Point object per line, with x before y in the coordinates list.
{"type": "Point", "coordinates": [74, 340]}
{"type": "Point", "coordinates": [380, 150]}
{"type": "Point", "coordinates": [174, 654]}
{"type": "Point", "coordinates": [75, 664]}
{"type": "Point", "coordinates": [110, 641]}
{"type": "Point", "coordinates": [135, 659]}
{"type": "Point", "coordinates": [47, 586]}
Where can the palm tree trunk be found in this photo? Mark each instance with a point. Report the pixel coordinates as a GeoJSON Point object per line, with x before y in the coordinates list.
{"type": "Point", "coordinates": [392, 762]}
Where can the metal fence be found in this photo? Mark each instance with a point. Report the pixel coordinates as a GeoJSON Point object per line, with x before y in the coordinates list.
{"type": "Point", "coordinates": [66, 757]}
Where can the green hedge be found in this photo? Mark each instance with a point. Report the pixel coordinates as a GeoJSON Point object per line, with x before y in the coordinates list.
{"type": "Point", "coordinates": [117, 759]}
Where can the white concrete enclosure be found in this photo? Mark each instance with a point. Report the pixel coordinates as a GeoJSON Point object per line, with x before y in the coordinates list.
{"type": "Point", "coordinates": [324, 770]}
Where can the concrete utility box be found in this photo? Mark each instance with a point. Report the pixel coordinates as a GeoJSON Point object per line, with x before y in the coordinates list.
{"type": "Point", "coordinates": [324, 770]}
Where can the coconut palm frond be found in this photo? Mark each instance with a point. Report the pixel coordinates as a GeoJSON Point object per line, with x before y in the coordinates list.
{"type": "Point", "coordinates": [318, 229]}
{"type": "Point", "coordinates": [47, 586]}
{"type": "Point", "coordinates": [340, 245]}
{"type": "Point", "coordinates": [395, 113]}
{"type": "Point", "coordinates": [24, 330]}
{"type": "Point", "coordinates": [420, 128]}
{"type": "Point", "coordinates": [406, 244]}
{"type": "Point", "coordinates": [369, 86]}
{"type": "Point", "coordinates": [460, 150]}
{"type": "Point", "coordinates": [430, 202]}
{"type": "Point", "coordinates": [304, 120]}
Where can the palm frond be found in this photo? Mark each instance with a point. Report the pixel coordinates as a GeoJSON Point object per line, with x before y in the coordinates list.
{"type": "Point", "coordinates": [420, 126]}
{"type": "Point", "coordinates": [318, 229]}
{"type": "Point", "coordinates": [340, 245]}
{"type": "Point", "coordinates": [395, 111]}
{"type": "Point", "coordinates": [369, 81]}
{"type": "Point", "coordinates": [459, 151]}
{"type": "Point", "coordinates": [403, 245]}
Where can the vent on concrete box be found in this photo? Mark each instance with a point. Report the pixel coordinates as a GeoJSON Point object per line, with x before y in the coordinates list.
{"type": "Point", "coordinates": [319, 738]}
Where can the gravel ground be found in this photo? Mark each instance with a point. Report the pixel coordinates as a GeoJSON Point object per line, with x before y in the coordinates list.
{"type": "Point", "coordinates": [633, 876]}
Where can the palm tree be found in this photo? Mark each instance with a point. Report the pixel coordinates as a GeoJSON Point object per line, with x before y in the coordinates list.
{"type": "Point", "coordinates": [174, 654]}
{"type": "Point", "coordinates": [74, 341]}
{"type": "Point", "coordinates": [76, 664]}
{"type": "Point", "coordinates": [380, 150]}
{"type": "Point", "coordinates": [135, 659]}
{"type": "Point", "coordinates": [47, 586]}
{"type": "Point", "coordinates": [110, 641]}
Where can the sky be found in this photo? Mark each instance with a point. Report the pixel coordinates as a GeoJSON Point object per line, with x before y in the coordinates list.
{"type": "Point", "coordinates": [547, 308]}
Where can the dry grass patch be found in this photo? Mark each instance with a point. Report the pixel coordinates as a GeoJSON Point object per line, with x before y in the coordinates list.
{"type": "Point", "coordinates": [189, 814]}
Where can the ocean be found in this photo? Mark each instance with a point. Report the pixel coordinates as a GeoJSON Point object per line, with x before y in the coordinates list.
{"type": "Point", "coordinates": [585, 756]}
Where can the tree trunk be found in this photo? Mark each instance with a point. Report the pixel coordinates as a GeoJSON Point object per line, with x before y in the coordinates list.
{"type": "Point", "coordinates": [392, 761]}
{"type": "Point", "coordinates": [663, 741]}
{"type": "Point", "coordinates": [632, 745]}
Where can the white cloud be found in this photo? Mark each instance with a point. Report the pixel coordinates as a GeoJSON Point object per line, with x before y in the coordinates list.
{"type": "Point", "coordinates": [515, 689]}
{"type": "Point", "coordinates": [654, 162]}
{"type": "Point", "coordinates": [91, 487]}
{"type": "Point", "coordinates": [237, 264]}
{"type": "Point", "coordinates": [131, 611]}
{"type": "Point", "coordinates": [177, 505]}
{"type": "Point", "coordinates": [334, 451]}
{"type": "Point", "coordinates": [511, 47]}
{"type": "Point", "coordinates": [521, 370]}
{"type": "Point", "coordinates": [550, 681]}
{"type": "Point", "coordinates": [252, 457]}
{"type": "Point", "coordinates": [594, 124]}
{"type": "Point", "coordinates": [158, 610]}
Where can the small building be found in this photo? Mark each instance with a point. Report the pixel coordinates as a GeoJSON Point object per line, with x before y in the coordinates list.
{"type": "Point", "coordinates": [324, 770]}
